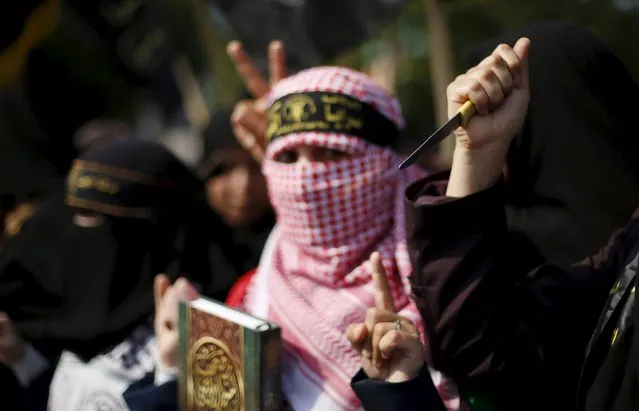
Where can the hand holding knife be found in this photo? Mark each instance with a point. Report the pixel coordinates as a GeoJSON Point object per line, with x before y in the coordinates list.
{"type": "Point", "coordinates": [460, 119]}
{"type": "Point", "coordinates": [497, 88]}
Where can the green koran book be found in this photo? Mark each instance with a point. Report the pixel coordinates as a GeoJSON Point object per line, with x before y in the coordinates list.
{"type": "Point", "coordinates": [229, 360]}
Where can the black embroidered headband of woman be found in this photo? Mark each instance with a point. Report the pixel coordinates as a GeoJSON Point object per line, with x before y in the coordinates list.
{"type": "Point", "coordinates": [329, 113]}
{"type": "Point", "coordinates": [119, 192]}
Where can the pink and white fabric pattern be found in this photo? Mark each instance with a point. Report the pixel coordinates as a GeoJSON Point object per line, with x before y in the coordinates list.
{"type": "Point", "coordinates": [314, 278]}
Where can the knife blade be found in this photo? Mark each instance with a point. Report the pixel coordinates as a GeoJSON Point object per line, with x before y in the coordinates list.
{"type": "Point", "coordinates": [461, 119]}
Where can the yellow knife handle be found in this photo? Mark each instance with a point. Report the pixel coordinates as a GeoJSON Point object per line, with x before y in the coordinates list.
{"type": "Point", "coordinates": [467, 111]}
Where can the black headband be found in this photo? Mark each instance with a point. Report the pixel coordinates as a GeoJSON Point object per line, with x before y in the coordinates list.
{"type": "Point", "coordinates": [119, 192]}
{"type": "Point", "coordinates": [329, 113]}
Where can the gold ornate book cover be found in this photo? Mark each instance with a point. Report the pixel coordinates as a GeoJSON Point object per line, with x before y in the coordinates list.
{"type": "Point", "coordinates": [229, 360]}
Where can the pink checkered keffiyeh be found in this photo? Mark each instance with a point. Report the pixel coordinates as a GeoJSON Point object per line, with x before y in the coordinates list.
{"type": "Point", "coordinates": [330, 217]}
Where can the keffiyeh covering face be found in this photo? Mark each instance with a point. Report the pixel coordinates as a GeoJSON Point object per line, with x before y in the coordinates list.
{"type": "Point", "coordinates": [338, 212]}
{"type": "Point", "coordinates": [314, 273]}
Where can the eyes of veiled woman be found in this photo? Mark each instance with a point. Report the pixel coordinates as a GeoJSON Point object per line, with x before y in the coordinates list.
{"type": "Point", "coordinates": [310, 154]}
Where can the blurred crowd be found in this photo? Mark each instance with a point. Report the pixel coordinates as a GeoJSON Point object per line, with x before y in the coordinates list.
{"type": "Point", "coordinates": [431, 288]}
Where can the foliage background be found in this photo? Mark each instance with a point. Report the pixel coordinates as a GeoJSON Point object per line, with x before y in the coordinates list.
{"type": "Point", "coordinates": [469, 22]}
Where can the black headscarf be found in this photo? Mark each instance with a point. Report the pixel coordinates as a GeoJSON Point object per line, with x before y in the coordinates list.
{"type": "Point", "coordinates": [232, 251]}
{"type": "Point", "coordinates": [217, 136]}
{"type": "Point", "coordinates": [85, 289]}
{"type": "Point", "coordinates": [573, 176]}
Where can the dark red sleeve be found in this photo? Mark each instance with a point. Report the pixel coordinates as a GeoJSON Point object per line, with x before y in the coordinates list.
{"type": "Point", "coordinates": [237, 293]}
{"type": "Point", "coordinates": [491, 323]}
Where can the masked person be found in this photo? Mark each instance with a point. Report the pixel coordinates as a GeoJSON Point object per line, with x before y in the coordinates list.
{"type": "Point", "coordinates": [330, 188]}
{"type": "Point", "coordinates": [90, 295]}
{"type": "Point", "coordinates": [333, 182]}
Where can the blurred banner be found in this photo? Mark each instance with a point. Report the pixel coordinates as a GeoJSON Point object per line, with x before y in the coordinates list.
{"type": "Point", "coordinates": [314, 31]}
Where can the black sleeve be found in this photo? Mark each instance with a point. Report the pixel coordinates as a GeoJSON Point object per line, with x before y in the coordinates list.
{"type": "Point", "coordinates": [144, 395]}
{"type": "Point", "coordinates": [494, 325]}
{"type": "Point", "coordinates": [418, 394]}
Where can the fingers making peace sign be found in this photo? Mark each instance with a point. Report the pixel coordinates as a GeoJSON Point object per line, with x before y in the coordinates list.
{"type": "Point", "coordinates": [249, 116]}
{"type": "Point", "coordinates": [388, 343]}
{"type": "Point", "coordinates": [248, 71]}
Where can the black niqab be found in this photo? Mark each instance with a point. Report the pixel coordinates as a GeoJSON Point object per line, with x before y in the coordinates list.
{"type": "Point", "coordinates": [108, 274]}
{"type": "Point", "coordinates": [82, 289]}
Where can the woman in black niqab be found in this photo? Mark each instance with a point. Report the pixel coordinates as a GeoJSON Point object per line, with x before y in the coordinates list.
{"type": "Point", "coordinates": [84, 288]}
{"type": "Point", "coordinates": [572, 176]}
{"type": "Point", "coordinates": [107, 274]}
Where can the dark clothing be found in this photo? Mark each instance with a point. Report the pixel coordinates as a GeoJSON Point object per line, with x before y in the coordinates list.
{"type": "Point", "coordinates": [17, 398]}
{"type": "Point", "coordinates": [30, 292]}
{"type": "Point", "coordinates": [82, 289]}
{"type": "Point", "coordinates": [219, 134]}
{"type": "Point", "coordinates": [145, 396]}
{"type": "Point", "coordinates": [25, 162]}
{"type": "Point", "coordinates": [573, 177]}
{"type": "Point", "coordinates": [418, 394]}
{"type": "Point", "coordinates": [85, 289]}
{"type": "Point", "coordinates": [232, 251]}
{"type": "Point", "coordinates": [10, 388]}
{"type": "Point", "coordinates": [518, 335]}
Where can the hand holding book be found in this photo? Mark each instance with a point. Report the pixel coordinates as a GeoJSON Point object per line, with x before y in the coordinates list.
{"type": "Point", "coordinates": [167, 298]}
{"type": "Point", "coordinates": [388, 343]}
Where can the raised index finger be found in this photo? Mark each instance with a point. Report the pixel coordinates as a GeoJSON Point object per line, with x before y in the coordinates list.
{"type": "Point", "coordinates": [383, 295]}
{"type": "Point", "coordinates": [247, 69]}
